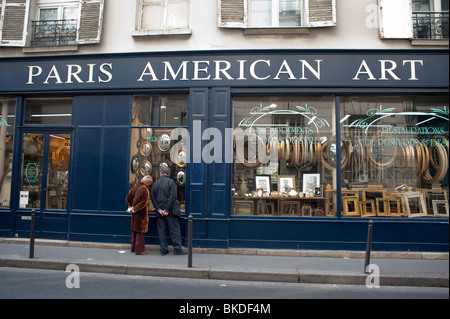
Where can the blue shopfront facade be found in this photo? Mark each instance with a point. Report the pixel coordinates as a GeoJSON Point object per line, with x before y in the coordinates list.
{"type": "Point", "coordinates": [103, 89]}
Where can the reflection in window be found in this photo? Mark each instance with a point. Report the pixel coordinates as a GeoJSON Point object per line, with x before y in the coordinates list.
{"type": "Point", "coordinates": [160, 110]}
{"type": "Point", "coordinates": [153, 118]}
{"type": "Point", "coordinates": [275, 13]}
{"type": "Point", "coordinates": [294, 183]}
{"type": "Point", "coordinates": [398, 163]}
{"type": "Point", "coordinates": [7, 121]}
{"type": "Point", "coordinates": [48, 111]}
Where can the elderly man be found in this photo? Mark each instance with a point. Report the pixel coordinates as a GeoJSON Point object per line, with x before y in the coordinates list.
{"type": "Point", "coordinates": [139, 200]}
{"type": "Point", "coordinates": [164, 199]}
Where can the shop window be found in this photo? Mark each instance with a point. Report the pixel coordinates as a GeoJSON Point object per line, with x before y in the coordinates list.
{"type": "Point", "coordinates": [7, 124]}
{"type": "Point", "coordinates": [396, 164]}
{"type": "Point", "coordinates": [156, 17]}
{"type": "Point", "coordinates": [276, 13]}
{"type": "Point", "coordinates": [153, 119]}
{"type": "Point", "coordinates": [295, 181]}
{"type": "Point", "coordinates": [48, 111]}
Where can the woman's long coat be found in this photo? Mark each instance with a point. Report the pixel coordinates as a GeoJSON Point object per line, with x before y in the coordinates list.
{"type": "Point", "coordinates": [139, 199]}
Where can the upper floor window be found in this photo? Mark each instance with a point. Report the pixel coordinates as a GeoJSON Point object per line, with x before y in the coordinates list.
{"type": "Point", "coordinates": [50, 22]}
{"type": "Point", "coordinates": [156, 17]}
{"type": "Point", "coordinates": [414, 19]}
{"type": "Point", "coordinates": [430, 19]}
{"type": "Point", "coordinates": [277, 13]}
{"type": "Point", "coordinates": [56, 23]}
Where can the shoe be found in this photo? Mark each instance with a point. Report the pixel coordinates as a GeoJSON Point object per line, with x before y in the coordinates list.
{"type": "Point", "coordinates": [163, 253]}
{"type": "Point", "coordinates": [180, 253]}
{"type": "Point", "coordinates": [143, 253]}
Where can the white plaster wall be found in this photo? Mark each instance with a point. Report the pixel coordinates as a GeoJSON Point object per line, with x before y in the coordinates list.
{"type": "Point", "coordinates": [357, 28]}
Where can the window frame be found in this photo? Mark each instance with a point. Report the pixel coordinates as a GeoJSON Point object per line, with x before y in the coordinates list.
{"type": "Point", "coordinates": [164, 29]}
{"type": "Point", "coordinates": [275, 20]}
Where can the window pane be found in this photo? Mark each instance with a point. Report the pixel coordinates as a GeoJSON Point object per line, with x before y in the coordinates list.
{"type": "Point", "coordinates": [178, 14]}
{"type": "Point", "coordinates": [49, 14]}
{"type": "Point", "coordinates": [152, 16]}
{"type": "Point", "coordinates": [7, 121]}
{"type": "Point", "coordinates": [295, 181]}
{"type": "Point", "coordinates": [174, 110]}
{"type": "Point", "coordinates": [58, 171]}
{"type": "Point", "coordinates": [399, 148]}
{"type": "Point", "coordinates": [145, 110]}
{"type": "Point", "coordinates": [290, 13]}
{"type": "Point", "coordinates": [48, 111]}
{"type": "Point", "coordinates": [33, 152]}
{"type": "Point", "coordinates": [260, 13]}
{"type": "Point", "coordinates": [160, 110]}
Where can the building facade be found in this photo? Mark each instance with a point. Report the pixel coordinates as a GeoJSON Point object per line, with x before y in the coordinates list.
{"type": "Point", "coordinates": [244, 100]}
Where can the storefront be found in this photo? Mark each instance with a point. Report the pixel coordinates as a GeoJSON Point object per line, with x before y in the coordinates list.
{"type": "Point", "coordinates": [250, 138]}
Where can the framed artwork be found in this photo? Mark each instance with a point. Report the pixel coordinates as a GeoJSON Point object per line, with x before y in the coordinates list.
{"type": "Point", "coordinates": [310, 181]}
{"type": "Point", "coordinates": [415, 204]}
{"type": "Point", "coordinates": [263, 182]}
{"type": "Point", "coordinates": [285, 183]}
{"type": "Point", "coordinates": [318, 191]}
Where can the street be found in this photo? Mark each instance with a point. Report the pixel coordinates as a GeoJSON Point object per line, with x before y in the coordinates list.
{"type": "Point", "coordinates": [16, 283]}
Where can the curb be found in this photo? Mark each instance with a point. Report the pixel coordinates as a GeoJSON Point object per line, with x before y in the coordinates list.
{"type": "Point", "coordinates": [285, 276]}
{"type": "Point", "coordinates": [246, 251]}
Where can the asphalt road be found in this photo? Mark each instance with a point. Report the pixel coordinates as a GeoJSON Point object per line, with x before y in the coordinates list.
{"type": "Point", "coordinates": [16, 283]}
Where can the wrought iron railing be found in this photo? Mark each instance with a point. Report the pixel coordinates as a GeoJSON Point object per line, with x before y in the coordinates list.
{"type": "Point", "coordinates": [430, 25]}
{"type": "Point", "coordinates": [54, 32]}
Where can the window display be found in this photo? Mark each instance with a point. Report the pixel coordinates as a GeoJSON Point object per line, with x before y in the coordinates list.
{"type": "Point", "coordinates": [394, 156]}
{"type": "Point", "coordinates": [300, 130]}
{"type": "Point", "coordinates": [153, 118]}
{"type": "Point", "coordinates": [7, 124]}
{"type": "Point", "coordinates": [399, 154]}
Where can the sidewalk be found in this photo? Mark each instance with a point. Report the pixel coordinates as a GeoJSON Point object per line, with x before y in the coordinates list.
{"type": "Point", "coordinates": [321, 267]}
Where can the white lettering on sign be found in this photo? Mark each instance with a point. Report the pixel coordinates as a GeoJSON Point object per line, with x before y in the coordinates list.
{"type": "Point", "coordinates": [226, 70]}
{"type": "Point", "coordinates": [102, 74]}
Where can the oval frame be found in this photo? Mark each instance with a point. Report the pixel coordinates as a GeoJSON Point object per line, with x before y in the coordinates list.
{"type": "Point", "coordinates": [143, 151]}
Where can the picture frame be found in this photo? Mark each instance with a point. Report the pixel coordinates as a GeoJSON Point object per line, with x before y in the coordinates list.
{"type": "Point", "coordinates": [351, 206]}
{"type": "Point", "coordinates": [310, 181]}
{"type": "Point", "coordinates": [394, 206]}
{"type": "Point", "coordinates": [318, 191]}
{"type": "Point", "coordinates": [415, 204]}
{"type": "Point", "coordinates": [367, 208]}
{"type": "Point", "coordinates": [439, 206]}
{"type": "Point", "coordinates": [285, 183]}
{"type": "Point", "coordinates": [263, 182]}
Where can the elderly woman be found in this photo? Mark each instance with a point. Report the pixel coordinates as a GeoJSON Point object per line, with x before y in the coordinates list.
{"type": "Point", "coordinates": [139, 200]}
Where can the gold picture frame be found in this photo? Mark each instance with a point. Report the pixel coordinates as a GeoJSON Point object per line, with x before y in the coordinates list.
{"type": "Point", "coordinates": [367, 208]}
{"type": "Point", "coordinates": [351, 206]}
{"type": "Point", "coordinates": [394, 206]}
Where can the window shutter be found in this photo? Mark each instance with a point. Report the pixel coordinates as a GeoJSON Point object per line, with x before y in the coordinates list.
{"type": "Point", "coordinates": [14, 22]}
{"type": "Point", "coordinates": [90, 22]}
{"type": "Point", "coordinates": [395, 19]}
{"type": "Point", "coordinates": [320, 13]}
{"type": "Point", "coordinates": [232, 13]}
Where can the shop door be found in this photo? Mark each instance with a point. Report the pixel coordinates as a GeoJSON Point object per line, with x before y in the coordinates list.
{"type": "Point", "coordinates": [44, 184]}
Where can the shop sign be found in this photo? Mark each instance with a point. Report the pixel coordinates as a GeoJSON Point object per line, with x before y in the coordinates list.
{"type": "Point", "coordinates": [289, 69]}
